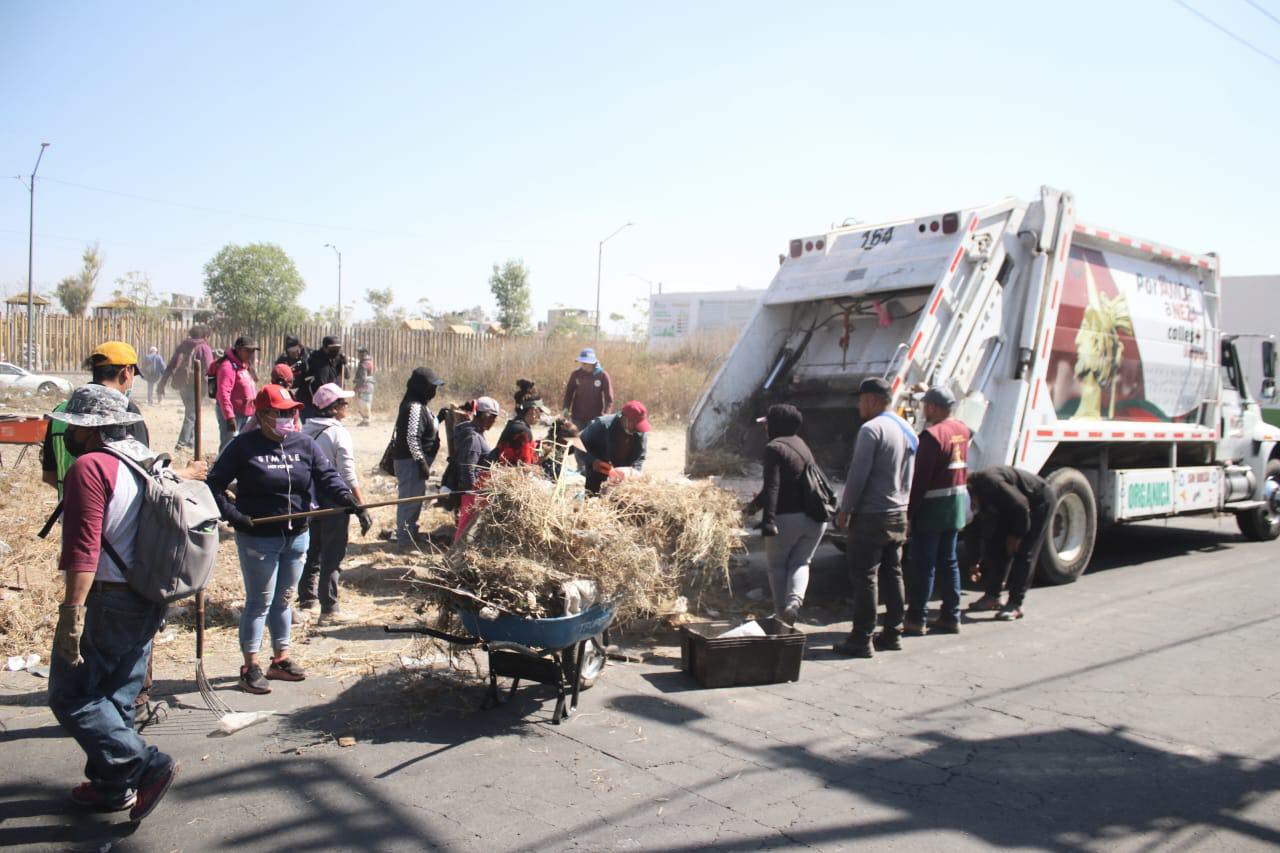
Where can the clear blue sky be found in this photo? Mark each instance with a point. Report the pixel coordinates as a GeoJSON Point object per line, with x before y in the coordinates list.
{"type": "Point", "coordinates": [429, 141]}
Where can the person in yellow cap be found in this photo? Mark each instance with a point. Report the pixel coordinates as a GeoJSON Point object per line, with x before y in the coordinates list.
{"type": "Point", "coordinates": [113, 364]}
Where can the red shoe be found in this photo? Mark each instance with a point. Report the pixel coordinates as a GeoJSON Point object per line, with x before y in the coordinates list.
{"type": "Point", "coordinates": [89, 796]}
{"type": "Point", "coordinates": [152, 791]}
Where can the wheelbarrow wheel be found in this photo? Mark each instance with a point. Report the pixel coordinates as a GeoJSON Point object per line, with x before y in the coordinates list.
{"type": "Point", "coordinates": [593, 661]}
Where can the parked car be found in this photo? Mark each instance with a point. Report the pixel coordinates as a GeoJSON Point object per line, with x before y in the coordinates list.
{"type": "Point", "coordinates": [14, 378]}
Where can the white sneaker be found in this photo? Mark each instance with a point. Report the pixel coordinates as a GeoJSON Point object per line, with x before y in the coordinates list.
{"type": "Point", "coordinates": [337, 617]}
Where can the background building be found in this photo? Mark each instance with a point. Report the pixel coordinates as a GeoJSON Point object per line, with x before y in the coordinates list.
{"type": "Point", "coordinates": [674, 318]}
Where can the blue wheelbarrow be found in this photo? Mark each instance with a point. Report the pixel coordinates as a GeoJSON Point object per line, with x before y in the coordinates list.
{"type": "Point", "coordinates": [564, 652]}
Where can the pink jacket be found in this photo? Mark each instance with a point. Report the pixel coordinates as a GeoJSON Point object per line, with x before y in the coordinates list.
{"type": "Point", "coordinates": [236, 389]}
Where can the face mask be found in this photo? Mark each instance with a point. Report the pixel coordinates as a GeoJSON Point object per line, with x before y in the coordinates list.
{"type": "Point", "coordinates": [284, 425]}
{"type": "Point", "coordinates": [73, 446]}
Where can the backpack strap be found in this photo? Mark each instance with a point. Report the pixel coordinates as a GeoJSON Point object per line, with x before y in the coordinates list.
{"type": "Point", "coordinates": [53, 519]}
{"type": "Point", "coordinates": [912, 440]}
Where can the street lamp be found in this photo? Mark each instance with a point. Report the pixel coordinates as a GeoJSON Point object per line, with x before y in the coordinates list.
{"type": "Point", "coordinates": [339, 254]}
{"type": "Point", "coordinates": [599, 266]}
{"type": "Point", "coordinates": [31, 241]}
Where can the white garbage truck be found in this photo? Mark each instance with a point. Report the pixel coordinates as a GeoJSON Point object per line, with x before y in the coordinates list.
{"type": "Point", "coordinates": [1087, 355]}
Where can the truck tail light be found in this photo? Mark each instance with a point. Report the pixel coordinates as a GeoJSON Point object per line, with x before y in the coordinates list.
{"type": "Point", "coordinates": [951, 223]}
{"type": "Point", "coordinates": [797, 248]}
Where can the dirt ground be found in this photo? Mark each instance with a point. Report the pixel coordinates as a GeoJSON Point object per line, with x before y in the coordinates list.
{"type": "Point", "coordinates": [377, 579]}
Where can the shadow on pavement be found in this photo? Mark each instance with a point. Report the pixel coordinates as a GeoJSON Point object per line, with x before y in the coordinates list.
{"type": "Point", "coordinates": [1065, 789]}
{"type": "Point", "coordinates": [304, 803]}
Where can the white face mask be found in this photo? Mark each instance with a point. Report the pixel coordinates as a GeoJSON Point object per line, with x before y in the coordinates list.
{"type": "Point", "coordinates": [284, 425]}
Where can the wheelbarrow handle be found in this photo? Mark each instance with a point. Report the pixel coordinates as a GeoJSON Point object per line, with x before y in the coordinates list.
{"type": "Point", "coordinates": [432, 632]}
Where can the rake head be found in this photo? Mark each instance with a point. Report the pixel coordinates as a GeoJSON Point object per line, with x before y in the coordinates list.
{"type": "Point", "coordinates": [211, 698]}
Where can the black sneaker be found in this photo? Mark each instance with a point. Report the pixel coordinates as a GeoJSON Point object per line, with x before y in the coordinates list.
{"type": "Point", "coordinates": [887, 641]}
{"type": "Point", "coordinates": [1009, 613]}
{"type": "Point", "coordinates": [944, 626]}
{"type": "Point", "coordinates": [850, 647]}
{"type": "Point", "coordinates": [285, 670]}
{"type": "Point", "coordinates": [252, 680]}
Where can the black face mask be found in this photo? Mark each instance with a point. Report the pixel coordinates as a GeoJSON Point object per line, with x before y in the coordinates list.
{"type": "Point", "coordinates": [73, 446]}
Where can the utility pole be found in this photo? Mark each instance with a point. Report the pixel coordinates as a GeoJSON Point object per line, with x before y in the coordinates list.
{"type": "Point", "coordinates": [599, 267]}
{"type": "Point", "coordinates": [339, 254]}
{"type": "Point", "coordinates": [31, 242]}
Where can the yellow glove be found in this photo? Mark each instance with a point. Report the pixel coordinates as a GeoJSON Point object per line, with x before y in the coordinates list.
{"type": "Point", "coordinates": [66, 638]}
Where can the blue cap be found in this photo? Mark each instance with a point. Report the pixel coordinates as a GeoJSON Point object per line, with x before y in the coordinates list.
{"type": "Point", "coordinates": [588, 356]}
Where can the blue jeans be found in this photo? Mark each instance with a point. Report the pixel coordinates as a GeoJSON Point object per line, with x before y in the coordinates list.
{"type": "Point", "coordinates": [410, 484]}
{"type": "Point", "coordinates": [187, 433]}
{"type": "Point", "coordinates": [934, 552]}
{"type": "Point", "coordinates": [270, 566]}
{"type": "Point", "coordinates": [94, 701]}
{"type": "Point", "coordinates": [224, 434]}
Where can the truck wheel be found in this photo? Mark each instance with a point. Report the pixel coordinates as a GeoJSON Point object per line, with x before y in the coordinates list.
{"type": "Point", "coordinates": [1263, 524]}
{"type": "Point", "coordinates": [1073, 529]}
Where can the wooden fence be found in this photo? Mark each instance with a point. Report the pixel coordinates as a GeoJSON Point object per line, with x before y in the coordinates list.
{"type": "Point", "coordinates": [63, 343]}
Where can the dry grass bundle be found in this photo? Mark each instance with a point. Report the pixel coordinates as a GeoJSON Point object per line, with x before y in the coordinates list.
{"type": "Point", "coordinates": [644, 543]}
{"type": "Point", "coordinates": [532, 534]}
{"type": "Point", "coordinates": [694, 525]}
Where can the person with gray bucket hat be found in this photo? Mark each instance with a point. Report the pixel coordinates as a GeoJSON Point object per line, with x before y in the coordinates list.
{"type": "Point", "coordinates": [937, 511]}
{"type": "Point", "coordinates": [104, 632]}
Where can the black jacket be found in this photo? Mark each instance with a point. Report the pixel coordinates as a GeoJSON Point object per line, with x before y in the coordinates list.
{"type": "Point", "coordinates": [784, 489]}
{"type": "Point", "coordinates": [604, 438]}
{"type": "Point", "coordinates": [471, 452]}
{"type": "Point", "coordinates": [1005, 497]}
{"type": "Point", "coordinates": [275, 478]}
{"type": "Point", "coordinates": [322, 369]}
{"type": "Point", "coordinates": [417, 431]}
{"type": "Point", "coordinates": [299, 367]}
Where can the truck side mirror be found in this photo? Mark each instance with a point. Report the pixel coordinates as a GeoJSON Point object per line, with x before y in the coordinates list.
{"type": "Point", "coordinates": [1268, 370]}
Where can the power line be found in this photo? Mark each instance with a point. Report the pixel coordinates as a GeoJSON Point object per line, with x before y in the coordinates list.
{"type": "Point", "coordinates": [1259, 7]}
{"type": "Point", "coordinates": [1211, 22]}
{"type": "Point", "coordinates": [222, 212]}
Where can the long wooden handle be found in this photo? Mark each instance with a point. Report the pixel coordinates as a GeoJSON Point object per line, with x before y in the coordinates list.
{"type": "Point", "coordinates": [200, 624]}
{"type": "Point", "coordinates": [339, 510]}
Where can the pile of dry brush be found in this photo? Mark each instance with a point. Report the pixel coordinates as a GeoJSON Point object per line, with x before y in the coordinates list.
{"type": "Point", "coordinates": [645, 542]}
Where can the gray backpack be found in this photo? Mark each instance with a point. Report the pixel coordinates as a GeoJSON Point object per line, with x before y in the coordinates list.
{"type": "Point", "coordinates": [177, 541]}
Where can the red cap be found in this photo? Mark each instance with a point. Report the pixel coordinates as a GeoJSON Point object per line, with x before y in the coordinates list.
{"type": "Point", "coordinates": [635, 410]}
{"type": "Point", "coordinates": [282, 373]}
{"type": "Point", "coordinates": [275, 397]}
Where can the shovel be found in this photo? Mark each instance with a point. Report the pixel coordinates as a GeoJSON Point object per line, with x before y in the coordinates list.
{"type": "Point", "coordinates": [339, 510]}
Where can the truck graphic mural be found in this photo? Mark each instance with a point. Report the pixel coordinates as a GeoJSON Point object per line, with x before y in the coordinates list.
{"type": "Point", "coordinates": [1132, 341]}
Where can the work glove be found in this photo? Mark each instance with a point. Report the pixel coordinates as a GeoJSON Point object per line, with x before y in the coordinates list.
{"type": "Point", "coordinates": [231, 425]}
{"type": "Point", "coordinates": [366, 522]}
{"type": "Point", "coordinates": [767, 528]}
{"type": "Point", "coordinates": [66, 637]}
{"type": "Point", "coordinates": [601, 467]}
{"type": "Point", "coordinates": [238, 520]}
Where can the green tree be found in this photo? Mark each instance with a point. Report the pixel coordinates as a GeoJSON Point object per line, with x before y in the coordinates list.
{"type": "Point", "coordinates": [385, 313]}
{"type": "Point", "coordinates": [75, 292]}
{"type": "Point", "coordinates": [135, 286]}
{"type": "Point", "coordinates": [510, 286]}
{"type": "Point", "coordinates": [254, 286]}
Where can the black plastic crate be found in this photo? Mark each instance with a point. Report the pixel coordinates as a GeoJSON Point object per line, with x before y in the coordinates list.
{"type": "Point", "coordinates": [738, 661]}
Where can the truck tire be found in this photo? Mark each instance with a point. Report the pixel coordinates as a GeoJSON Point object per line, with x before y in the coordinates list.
{"type": "Point", "coordinates": [1073, 529]}
{"type": "Point", "coordinates": [1263, 524]}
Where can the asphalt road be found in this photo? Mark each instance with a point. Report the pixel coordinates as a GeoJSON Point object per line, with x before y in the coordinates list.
{"type": "Point", "coordinates": [1138, 709]}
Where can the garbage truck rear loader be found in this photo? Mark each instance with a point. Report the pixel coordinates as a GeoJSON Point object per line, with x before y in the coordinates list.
{"type": "Point", "coordinates": [1089, 356]}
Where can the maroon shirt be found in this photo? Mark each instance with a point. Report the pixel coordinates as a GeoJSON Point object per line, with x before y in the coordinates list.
{"type": "Point", "coordinates": [588, 394]}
